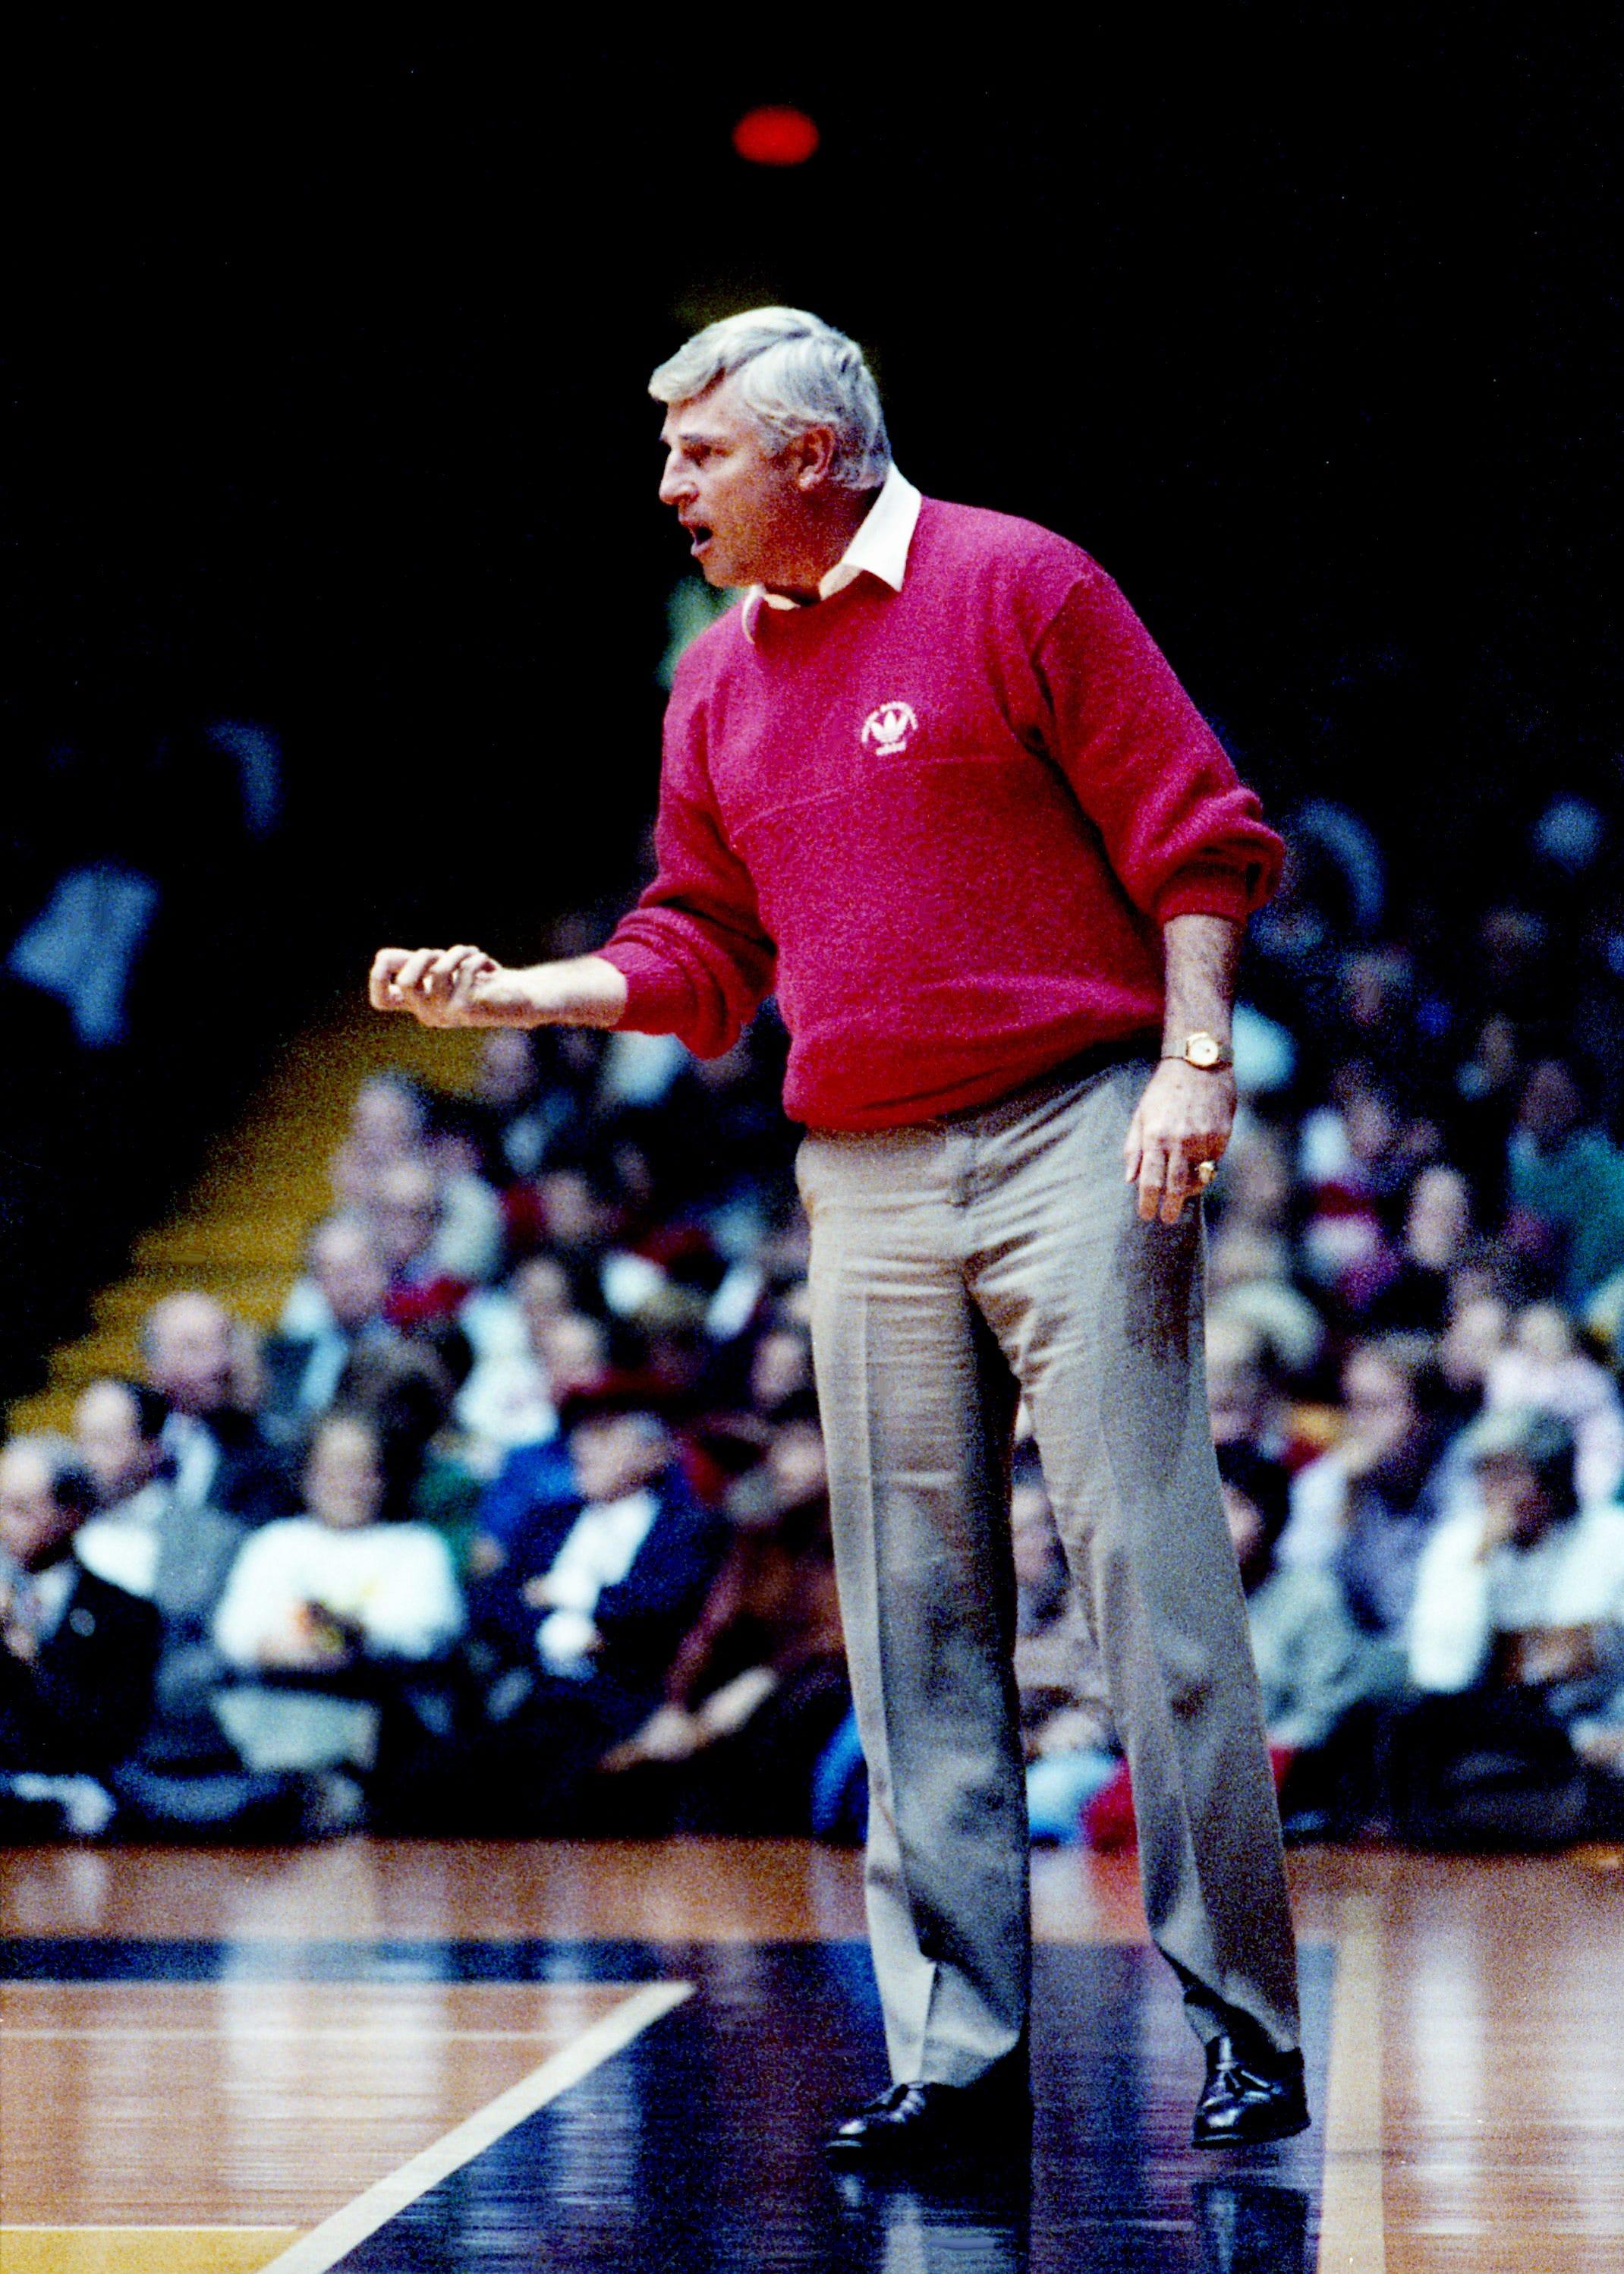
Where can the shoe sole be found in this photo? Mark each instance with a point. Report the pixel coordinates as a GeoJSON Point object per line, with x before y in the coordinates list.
{"type": "Point", "coordinates": [1287, 2129]}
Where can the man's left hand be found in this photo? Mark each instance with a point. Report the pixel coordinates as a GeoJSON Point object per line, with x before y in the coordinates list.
{"type": "Point", "coordinates": [1184, 1118]}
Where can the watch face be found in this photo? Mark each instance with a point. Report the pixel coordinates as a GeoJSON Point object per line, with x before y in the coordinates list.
{"type": "Point", "coordinates": [1203, 1051]}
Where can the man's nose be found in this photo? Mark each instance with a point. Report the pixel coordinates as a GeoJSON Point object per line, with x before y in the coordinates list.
{"type": "Point", "coordinates": [676, 483]}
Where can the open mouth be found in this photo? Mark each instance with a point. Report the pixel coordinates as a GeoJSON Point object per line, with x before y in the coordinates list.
{"type": "Point", "coordinates": [701, 532]}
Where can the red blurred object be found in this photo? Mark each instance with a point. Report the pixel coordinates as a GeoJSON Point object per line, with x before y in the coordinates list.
{"type": "Point", "coordinates": [426, 1302]}
{"type": "Point", "coordinates": [1108, 1819]}
{"type": "Point", "coordinates": [775, 135]}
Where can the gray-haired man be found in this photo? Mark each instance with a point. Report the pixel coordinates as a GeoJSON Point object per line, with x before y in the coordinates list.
{"type": "Point", "coordinates": [934, 783]}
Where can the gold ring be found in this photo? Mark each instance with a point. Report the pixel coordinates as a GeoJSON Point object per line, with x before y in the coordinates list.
{"type": "Point", "coordinates": [1205, 1171]}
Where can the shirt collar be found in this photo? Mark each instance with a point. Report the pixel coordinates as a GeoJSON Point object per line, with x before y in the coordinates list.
{"type": "Point", "coordinates": [879, 547]}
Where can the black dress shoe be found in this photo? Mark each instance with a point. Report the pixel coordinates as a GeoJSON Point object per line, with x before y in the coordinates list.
{"type": "Point", "coordinates": [913, 2123]}
{"type": "Point", "coordinates": [1253, 2092]}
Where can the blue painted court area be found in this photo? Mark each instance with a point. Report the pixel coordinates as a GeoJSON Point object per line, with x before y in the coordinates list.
{"type": "Point", "coordinates": [695, 2148]}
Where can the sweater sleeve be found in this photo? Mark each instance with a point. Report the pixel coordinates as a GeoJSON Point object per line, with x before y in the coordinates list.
{"type": "Point", "coordinates": [1183, 834]}
{"type": "Point", "coordinates": [695, 956]}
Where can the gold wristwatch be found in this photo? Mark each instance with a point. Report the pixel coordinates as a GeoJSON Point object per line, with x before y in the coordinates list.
{"type": "Point", "coordinates": [1204, 1050]}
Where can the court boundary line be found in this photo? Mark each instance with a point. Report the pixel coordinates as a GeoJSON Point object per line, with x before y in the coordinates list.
{"type": "Point", "coordinates": [327, 2245]}
{"type": "Point", "coordinates": [1352, 2208]}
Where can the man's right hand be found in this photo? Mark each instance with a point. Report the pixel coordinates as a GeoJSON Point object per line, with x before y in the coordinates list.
{"type": "Point", "coordinates": [465, 987]}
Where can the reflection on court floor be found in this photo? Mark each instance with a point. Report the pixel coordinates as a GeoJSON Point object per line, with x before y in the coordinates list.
{"type": "Point", "coordinates": [385, 2108]}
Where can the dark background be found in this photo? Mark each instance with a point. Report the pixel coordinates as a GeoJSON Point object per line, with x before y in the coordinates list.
{"type": "Point", "coordinates": [324, 394]}
{"type": "Point", "coordinates": [324, 364]}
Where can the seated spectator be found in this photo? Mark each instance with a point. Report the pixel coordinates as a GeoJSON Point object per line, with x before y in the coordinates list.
{"type": "Point", "coordinates": [472, 1237]}
{"type": "Point", "coordinates": [1414, 1296]}
{"type": "Point", "coordinates": [1314, 1667]}
{"type": "Point", "coordinates": [1254, 1186]}
{"type": "Point", "coordinates": [334, 1309]}
{"type": "Point", "coordinates": [1249, 1277]}
{"type": "Point", "coordinates": [395, 1126]}
{"type": "Point", "coordinates": [1478, 1330]}
{"type": "Point", "coordinates": [673, 1359]}
{"type": "Point", "coordinates": [184, 1777]}
{"type": "Point", "coordinates": [1568, 1177]}
{"type": "Point", "coordinates": [171, 1552]}
{"type": "Point", "coordinates": [509, 1398]}
{"type": "Point", "coordinates": [408, 1392]}
{"type": "Point", "coordinates": [573, 1351]}
{"type": "Point", "coordinates": [1540, 1364]}
{"type": "Point", "coordinates": [576, 1210]}
{"type": "Point", "coordinates": [759, 1686]}
{"type": "Point", "coordinates": [328, 1615]}
{"type": "Point", "coordinates": [195, 1360]}
{"type": "Point", "coordinates": [1356, 1157]}
{"type": "Point", "coordinates": [1315, 1673]}
{"type": "Point", "coordinates": [501, 1322]}
{"type": "Point", "coordinates": [1245, 1406]}
{"type": "Point", "coordinates": [574, 1629]}
{"type": "Point", "coordinates": [1517, 1635]}
{"type": "Point", "coordinates": [1356, 1144]}
{"type": "Point", "coordinates": [512, 1115]}
{"type": "Point", "coordinates": [77, 1654]}
{"type": "Point", "coordinates": [1488, 1084]}
{"type": "Point", "coordinates": [1364, 1509]}
{"type": "Point", "coordinates": [406, 1214]}
{"type": "Point", "coordinates": [538, 1099]}
{"type": "Point", "coordinates": [388, 1123]}
{"type": "Point", "coordinates": [781, 1369]}
{"type": "Point", "coordinates": [118, 1435]}
{"type": "Point", "coordinates": [1378, 1013]}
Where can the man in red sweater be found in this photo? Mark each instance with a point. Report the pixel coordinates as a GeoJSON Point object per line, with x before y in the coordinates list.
{"type": "Point", "coordinates": [934, 783]}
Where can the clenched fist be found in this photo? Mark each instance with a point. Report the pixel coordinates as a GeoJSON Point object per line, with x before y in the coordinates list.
{"type": "Point", "coordinates": [449, 987]}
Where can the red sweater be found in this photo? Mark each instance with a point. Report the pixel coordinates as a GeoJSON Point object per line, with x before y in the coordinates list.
{"type": "Point", "coordinates": [945, 824]}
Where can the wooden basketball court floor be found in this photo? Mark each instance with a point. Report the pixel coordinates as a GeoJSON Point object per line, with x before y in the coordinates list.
{"type": "Point", "coordinates": [375, 2056]}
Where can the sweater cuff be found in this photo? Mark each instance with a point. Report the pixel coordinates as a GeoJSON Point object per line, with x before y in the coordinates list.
{"type": "Point", "coordinates": [658, 999]}
{"type": "Point", "coordinates": [1211, 890]}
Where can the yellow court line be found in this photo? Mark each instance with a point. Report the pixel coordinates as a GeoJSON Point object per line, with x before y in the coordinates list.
{"type": "Point", "coordinates": [358, 2033]}
{"type": "Point", "coordinates": [1353, 2214]}
{"type": "Point", "coordinates": [319, 2251]}
{"type": "Point", "coordinates": [139, 2249]}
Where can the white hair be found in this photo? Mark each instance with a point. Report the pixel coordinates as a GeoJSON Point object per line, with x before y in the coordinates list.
{"type": "Point", "coordinates": [794, 372]}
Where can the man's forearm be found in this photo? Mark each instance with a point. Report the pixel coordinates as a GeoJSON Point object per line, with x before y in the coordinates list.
{"type": "Point", "coordinates": [584, 991]}
{"type": "Point", "coordinates": [1203, 957]}
{"type": "Point", "coordinates": [464, 987]}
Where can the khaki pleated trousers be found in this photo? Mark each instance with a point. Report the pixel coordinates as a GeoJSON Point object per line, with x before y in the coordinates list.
{"type": "Point", "coordinates": [957, 1265]}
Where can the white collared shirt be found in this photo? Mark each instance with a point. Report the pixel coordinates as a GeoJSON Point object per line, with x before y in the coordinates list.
{"type": "Point", "coordinates": [597, 1552]}
{"type": "Point", "coordinates": [879, 547]}
{"type": "Point", "coordinates": [121, 1545]}
{"type": "Point", "coordinates": [196, 1455]}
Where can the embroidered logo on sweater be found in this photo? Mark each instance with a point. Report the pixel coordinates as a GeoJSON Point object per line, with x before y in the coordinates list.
{"type": "Point", "coordinates": [885, 731]}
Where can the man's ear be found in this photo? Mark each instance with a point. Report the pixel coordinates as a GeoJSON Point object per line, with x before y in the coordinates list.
{"type": "Point", "coordinates": [815, 456]}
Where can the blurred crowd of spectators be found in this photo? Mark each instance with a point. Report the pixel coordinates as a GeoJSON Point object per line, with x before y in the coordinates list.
{"type": "Point", "coordinates": [518, 1523]}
